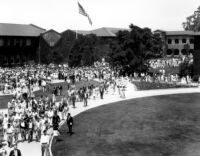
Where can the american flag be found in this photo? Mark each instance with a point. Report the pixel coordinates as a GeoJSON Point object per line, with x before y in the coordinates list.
{"type": "Point", "coordinates": [84, 13]}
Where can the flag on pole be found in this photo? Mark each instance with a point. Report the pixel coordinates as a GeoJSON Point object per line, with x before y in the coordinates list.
{"type": "Point", "coordinates": [84, 13]}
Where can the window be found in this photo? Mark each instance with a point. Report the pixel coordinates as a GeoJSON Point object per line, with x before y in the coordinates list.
{"type": "Point", "coordinates": [169, 52]}
{"type": "Point", "coordinates": [24, 59]}
{"type": "Point", "coordinates": [176, 52]}
{"type": "Point", "coordinates": [28, 42]}
{"type": "Point", "coordinates": [191, 41]}
{"type": "Point", "coordinates": [15, 41]}
{"type": "Point", "coordinates": [8, 42]}
{"type": "Point", "coordinates": [183, 40]}
{"type": "Point", "coordinates": [176, 41]}
{"type": "Point", "coordinates": [191, 51]}
{"type": "Point", "coordinates": [12, 60]}
{"type": "Point", "coordinates": [18, 59]}
{"type": "Point", "coordinates": [183, 51]}
{"type": "Point", "coordinates": [5, 60]}
{"type": "Point", "coordinates": [169, 41]}
{"type": "Point", "coordinates": [21, 42]}
{"type": "Point", "coordinates": [1, 42]}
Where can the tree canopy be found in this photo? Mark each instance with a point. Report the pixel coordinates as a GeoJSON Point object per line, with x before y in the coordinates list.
{"type": "Point", "coordinates": [130, 49]}
{"type": "Point", "coordinates": [193, 21]}
{"type": "Point", "coordinates": [83, 51]}
{"type": "Point", "coordinates": [133, 48]}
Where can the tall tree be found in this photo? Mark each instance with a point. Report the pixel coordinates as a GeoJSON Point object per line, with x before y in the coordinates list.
{"type": "Point", "coordinates": [133, 48]}
{"type": "Point", "coordinates": [83, 51]}
{"type": "Point", "coordinates": [193, 21]}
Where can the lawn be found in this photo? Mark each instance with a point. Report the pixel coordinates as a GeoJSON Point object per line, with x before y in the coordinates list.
{"type": "Point", "coordinates": [4, 99]}
{"type": "Point", "coordinates": [153, 126]}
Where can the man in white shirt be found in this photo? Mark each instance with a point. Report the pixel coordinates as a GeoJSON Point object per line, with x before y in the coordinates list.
{"type": "Point", "coordinates": [44, 143]}
{"type": "Point", "coordinates": [44, 85]}
{"type": "Point", "coordinates": [9, 133]}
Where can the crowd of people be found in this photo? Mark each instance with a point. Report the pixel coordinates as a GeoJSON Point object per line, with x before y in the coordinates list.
{"type": "Point", "coordinates": [169, 62]}
{"type": "Point", "coordinates": [161, 77]}
{"type": "Point", "coordinates": [29, 116]}
{"type": "Point", "coordinates": [162, 63]}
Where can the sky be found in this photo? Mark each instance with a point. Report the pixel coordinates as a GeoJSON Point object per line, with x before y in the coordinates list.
{"type": "Point", "coordinates": [61, 15]}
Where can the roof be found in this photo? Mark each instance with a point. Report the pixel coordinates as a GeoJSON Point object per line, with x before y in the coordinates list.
{"type": "Point", "coordinates": [102, 32]}
{"type": "Point", "coordinates": [20, 30]}
{"type": "Point", "coordinates": [179, 33]}
{"type": "Point", "coordinates": [51, 37]}
{"type": "Point", "coordinates": [159, 30]}
{"type": "Point", "coordinates": [171, 33]}
{"type": "Point", "coordinates": [83, 32]}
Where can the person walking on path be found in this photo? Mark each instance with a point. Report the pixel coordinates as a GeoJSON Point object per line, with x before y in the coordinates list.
{"type": "Point", "coordinates": [85, 99]}
{"type": "Point", "coordinates": [9, 135]}
{"type": "Point", "coordinates": [69, 123]}
{"type": "Point", "coordinates": [15, 151]}
{"type": "Point", "coordinates": [55, 123]}
{"type": "Point", "coordinates": [73, 98]}
{"type": "Point", "coordinates": [101, 90]}
{"type": "Point", "coordinates": [44, 143]}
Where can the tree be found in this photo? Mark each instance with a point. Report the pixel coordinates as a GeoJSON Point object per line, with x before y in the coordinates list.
{"type": "Point", "coordinates": [133, 48]}
{"type": "Point", "coordinates": [186, 69]}
{"type": "Point", "coordinates": [83, 51]}
{"type": "Point", "coordinates": [193, 21]}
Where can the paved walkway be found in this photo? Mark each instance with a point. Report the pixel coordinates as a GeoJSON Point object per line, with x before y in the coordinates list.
{"type": "Point", "coordinates": [33, 149]}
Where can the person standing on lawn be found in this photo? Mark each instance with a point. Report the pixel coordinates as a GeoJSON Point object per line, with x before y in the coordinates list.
{"type": "Point", "coordinates": [69, 123]}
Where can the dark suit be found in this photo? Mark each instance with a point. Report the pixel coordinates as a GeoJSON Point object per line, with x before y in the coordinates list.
{"type": "Point", "coordinates": [55, 122]}
{"type": "Point", "coordinates": [70, 123]}
{"type": "Point", "coordinates": [12, 153]}
{"type": "Point", "coordinates": [101, 90]}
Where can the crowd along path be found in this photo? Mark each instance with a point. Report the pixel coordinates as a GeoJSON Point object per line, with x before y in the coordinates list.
{"type": "Point", "coordinates": [34, 149]}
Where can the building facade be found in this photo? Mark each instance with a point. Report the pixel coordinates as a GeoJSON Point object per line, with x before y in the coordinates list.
{"type": "Point", "coordinates": [179, 43]}
{"type": "Point", "coordinates": [19, 43]}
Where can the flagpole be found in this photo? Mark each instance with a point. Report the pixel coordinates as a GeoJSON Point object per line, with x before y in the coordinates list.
{"type": "Point", "coordinates": [76, 34]}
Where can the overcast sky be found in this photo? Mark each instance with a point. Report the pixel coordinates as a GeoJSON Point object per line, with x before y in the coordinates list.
{"type": "Point", "coordinates": [63, 14]}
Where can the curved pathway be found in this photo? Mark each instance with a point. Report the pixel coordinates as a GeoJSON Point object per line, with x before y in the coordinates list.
{"type": "Point", "coordinates": [33, 149]}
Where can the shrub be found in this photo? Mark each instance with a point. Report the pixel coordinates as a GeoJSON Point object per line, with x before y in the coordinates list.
{"type": "Point", "coordinates": [157, 85]}
{"type": "Point", "coordinates": [195, 78]}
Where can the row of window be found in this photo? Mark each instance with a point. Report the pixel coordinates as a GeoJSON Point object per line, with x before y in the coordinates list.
{"type": "Point", "coordinates": [15, 42]}
{"type": "Point", "coordinates": [177, 51]}
{"type": "Point", "coordinates": [13, 60]}
{"type": "Point", "coordinates": [191, 41]}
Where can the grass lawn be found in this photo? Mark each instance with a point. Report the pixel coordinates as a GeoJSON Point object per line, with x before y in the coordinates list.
{"type": "Point", "coordinates": [153, 126]}
{"type": "Point", "coordinates": [4, 99]}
